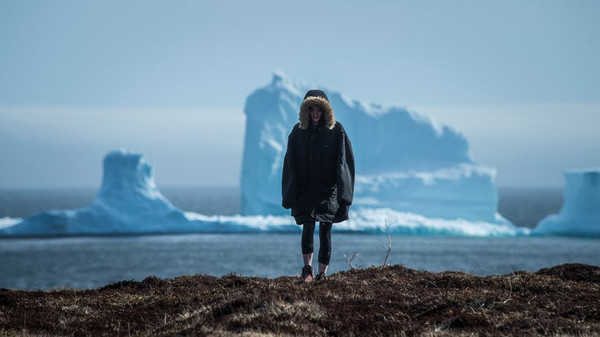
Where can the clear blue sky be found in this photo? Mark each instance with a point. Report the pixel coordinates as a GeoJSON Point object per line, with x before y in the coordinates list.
{"type": "Point", "coordinates": [521, 79]}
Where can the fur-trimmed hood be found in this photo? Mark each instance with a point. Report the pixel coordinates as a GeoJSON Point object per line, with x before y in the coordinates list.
{"type": "Point", "coordinates": [316, 97]}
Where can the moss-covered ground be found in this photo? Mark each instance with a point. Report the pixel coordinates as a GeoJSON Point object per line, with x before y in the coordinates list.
{"type": "Point", "coordinates": [377, 301]}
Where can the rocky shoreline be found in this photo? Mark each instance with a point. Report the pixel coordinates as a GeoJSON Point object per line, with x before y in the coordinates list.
{"type": "Point", "coordinates": [388, 301]}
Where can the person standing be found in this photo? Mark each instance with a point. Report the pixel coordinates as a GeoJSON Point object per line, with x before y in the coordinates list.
{"type": "Point", "coordinates": [318, 177]}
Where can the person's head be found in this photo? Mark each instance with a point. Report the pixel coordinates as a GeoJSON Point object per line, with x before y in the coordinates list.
{"type": "Point", "coordinates": [315, 113]}
{"type": "Point", "coordinates": [315, 107]}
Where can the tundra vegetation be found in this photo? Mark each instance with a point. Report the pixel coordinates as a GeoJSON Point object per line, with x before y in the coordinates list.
{"type": "Point", "coordinates": [376, 301]}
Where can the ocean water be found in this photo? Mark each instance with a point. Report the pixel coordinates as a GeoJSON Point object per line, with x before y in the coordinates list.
{"type": "Point", "coordinates": [89, 262]}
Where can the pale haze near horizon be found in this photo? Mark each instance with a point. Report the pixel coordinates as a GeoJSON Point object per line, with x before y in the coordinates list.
{"type": "Point", "coordinates": [520, 80]}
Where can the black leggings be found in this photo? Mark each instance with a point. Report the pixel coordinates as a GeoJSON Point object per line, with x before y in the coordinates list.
{"type": "Point", "coordinates": [308, 231]}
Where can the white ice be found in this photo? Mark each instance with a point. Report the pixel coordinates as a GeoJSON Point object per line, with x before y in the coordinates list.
{"type": "Point", "coordinates": [405, 161]}
{"type": "Point", "coordinates": [580, 214]}
{"type": "Point", "coordinates": [129, 202]}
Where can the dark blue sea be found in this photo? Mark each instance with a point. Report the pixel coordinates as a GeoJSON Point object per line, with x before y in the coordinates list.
{"type": "Point", "coordinates": [89, 262]}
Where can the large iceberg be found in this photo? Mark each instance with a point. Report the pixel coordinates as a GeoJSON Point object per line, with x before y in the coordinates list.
{"type": "Point", "coordinates": [580, 214]}
{"type": "Point", "coordinates": [413, 176]}
{"type": "Point", "coordinates": [404, 161]}
{"type": "Point", "coordinates": [129, 202]}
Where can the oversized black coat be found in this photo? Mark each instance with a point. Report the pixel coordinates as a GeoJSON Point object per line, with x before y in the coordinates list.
{"type": "Point", "coordinates": [318, 174]}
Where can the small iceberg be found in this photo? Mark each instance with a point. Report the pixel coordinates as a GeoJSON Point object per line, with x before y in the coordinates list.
{"type": "Point", "coordinates": [580, 214]}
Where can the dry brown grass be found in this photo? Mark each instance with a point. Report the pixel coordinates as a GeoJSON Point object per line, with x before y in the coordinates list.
{"type": "Point", "coordinates": [378, 301]}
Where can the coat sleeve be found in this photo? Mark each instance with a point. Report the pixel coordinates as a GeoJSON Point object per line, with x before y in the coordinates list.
{"type": "Point", "coordinates": [289, 180]}
{"type": "Point", "coordinates": [345, 170]}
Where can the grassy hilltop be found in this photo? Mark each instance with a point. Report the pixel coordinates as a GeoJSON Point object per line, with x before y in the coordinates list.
{"type": "Point", "coordinates": [378, 301]}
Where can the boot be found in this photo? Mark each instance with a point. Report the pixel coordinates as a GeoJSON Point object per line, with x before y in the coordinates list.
{"type": "Point", "coordinates": [307, 274]}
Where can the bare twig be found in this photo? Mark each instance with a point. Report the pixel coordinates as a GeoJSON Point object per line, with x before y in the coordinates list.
{"type": "Point", "coordinates": [510, 293]}
{"type": "Point", "coordinates": [388, 250]}
{"type": "Point", "coordinates": [349, 260]}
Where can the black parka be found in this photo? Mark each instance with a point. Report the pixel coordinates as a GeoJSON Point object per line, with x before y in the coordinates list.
{"type": "Point", "coordinates": [318, 171]}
